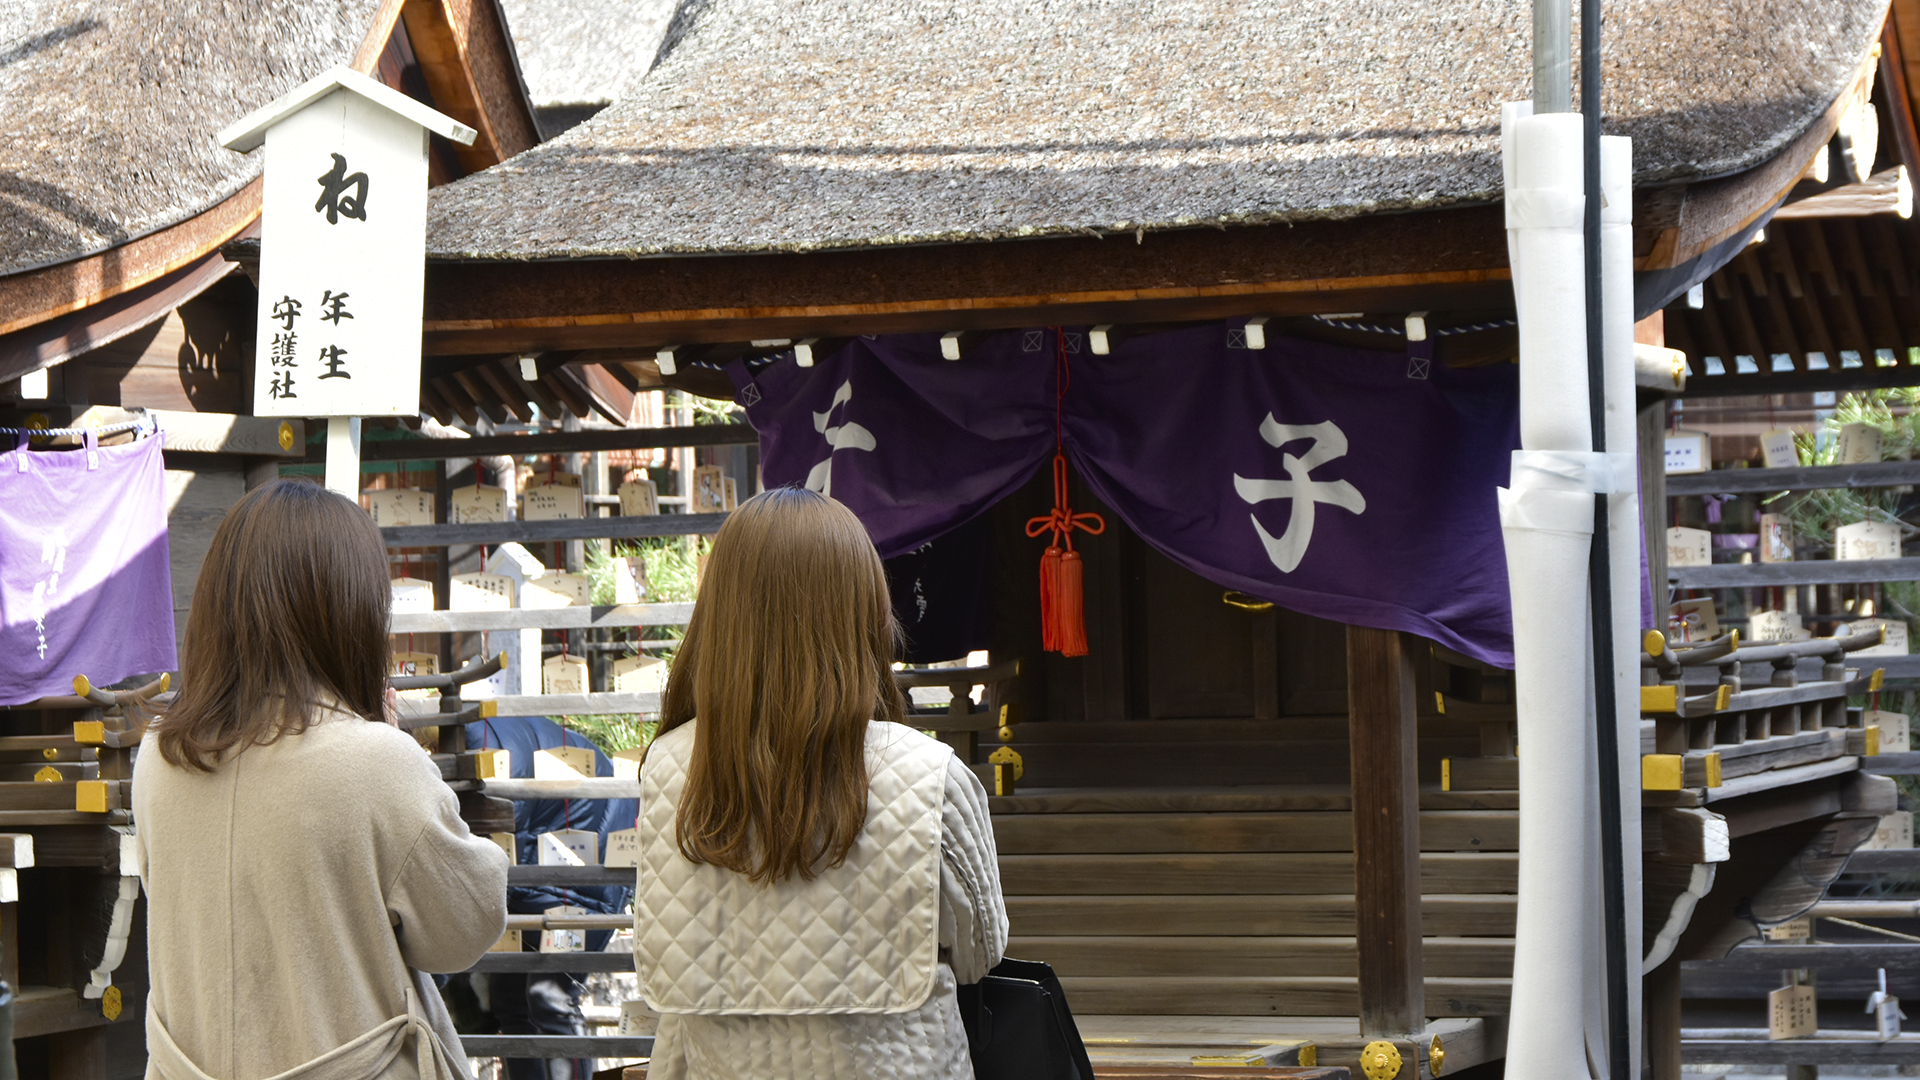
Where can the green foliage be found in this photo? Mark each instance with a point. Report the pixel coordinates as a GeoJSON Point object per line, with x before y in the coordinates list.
{"type": "Point", "coordinates": [1814, 514]}
{"type": "Point", "coordinates": [673, 572]}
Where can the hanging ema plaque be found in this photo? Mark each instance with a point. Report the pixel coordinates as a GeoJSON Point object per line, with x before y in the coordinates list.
{"type": "Point", "coordinates": [342, 246]}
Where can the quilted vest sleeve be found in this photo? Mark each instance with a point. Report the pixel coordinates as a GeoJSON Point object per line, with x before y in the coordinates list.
{"type": "Point", "coordinates": [861, 937]}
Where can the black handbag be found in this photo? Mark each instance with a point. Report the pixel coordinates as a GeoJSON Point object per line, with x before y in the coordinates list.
{"type": "Point", "coordinates": [1019, 1027]}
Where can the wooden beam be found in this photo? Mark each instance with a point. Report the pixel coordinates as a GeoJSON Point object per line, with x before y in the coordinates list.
{"type": "Point", "coordinates": [530, 532]}
{"type": "Point", "coordinates": [561, 442]}
{"type": "Point", "coordinates": [39, 295]}
{"type": "Point", "coordinates": [1386, 830]}
{"type": "Point", "coordinates": [1796, 478]}
{"type": "Point", "coordinates": [1802, 572]}
{"type": "Point", "coordinates": [1307, 268]}
{"type": "Point", "coordinates": [467, 62]}
{"type": "Point", "coordinates": [1865, 377]}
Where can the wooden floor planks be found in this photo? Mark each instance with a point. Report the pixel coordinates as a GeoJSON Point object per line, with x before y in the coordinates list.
{"type": "Point", "coordinates": [1250, 873]}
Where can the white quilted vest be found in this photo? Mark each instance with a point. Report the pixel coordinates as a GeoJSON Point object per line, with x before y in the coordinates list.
{"type": "Point", "coordinates": [861, 937]}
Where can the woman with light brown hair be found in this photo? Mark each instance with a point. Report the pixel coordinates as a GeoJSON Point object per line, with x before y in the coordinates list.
{"type": "Point", "coordinates": [304, 863]}
{"type": "Point", "coordinates": [815, 876]}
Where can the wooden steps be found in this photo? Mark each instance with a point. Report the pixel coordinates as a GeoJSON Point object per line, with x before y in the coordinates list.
{"type": "Point", "coordinates": [1279, 996]}
{"type": "Point", "coordinates": [1315, 915]}
{"type": "Point", "coordinates": [1285, 831]}
{"type": "Point", "coordinates": [1296, 750]}
{"type": "Point", "coordinates": [1250, 873]}
{"type": "Point", "coordinates": [1154, 957]}
{"type": "Point", "coordinates": [1238, 901]}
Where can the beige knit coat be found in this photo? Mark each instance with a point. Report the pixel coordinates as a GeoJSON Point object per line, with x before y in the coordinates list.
{"type": "Point", "coordinates": [297, 891]}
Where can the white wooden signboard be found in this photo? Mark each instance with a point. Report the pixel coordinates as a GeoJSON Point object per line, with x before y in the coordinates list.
{"type": "Point", "coordinates": [1867, 540]}
{"type": "Point", "coordinates": [342, 244]}
{"type": "Point", "coordinates": [478, 503]}
{"type": "Point", "coordinates": [1777, 449]}
{"type": "Point", "coordinates": [1689, 547]}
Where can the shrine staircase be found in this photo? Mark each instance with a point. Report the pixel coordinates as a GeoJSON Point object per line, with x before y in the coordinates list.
{"type": "Point", "coordinates": [1206, 867]}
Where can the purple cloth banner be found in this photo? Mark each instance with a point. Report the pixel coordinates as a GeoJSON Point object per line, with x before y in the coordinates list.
{"type": "Point", "coordinates": [1348, 484]}
{"type": "Point", "coordinates": [85, 583]}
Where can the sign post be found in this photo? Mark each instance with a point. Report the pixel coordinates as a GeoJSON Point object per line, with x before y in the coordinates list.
{"type": "Point", "coordinates": [342, 255]}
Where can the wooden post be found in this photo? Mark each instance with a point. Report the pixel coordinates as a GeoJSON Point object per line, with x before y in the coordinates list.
{"type": "Point", "coordinates": [343, 455]}
{"type": "Point", "coordinates": [1386, 831]}
{"type": "Point", "coordinates": [1662, 1011]}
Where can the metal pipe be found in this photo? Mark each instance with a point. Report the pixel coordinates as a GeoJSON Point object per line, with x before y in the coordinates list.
{"type": "Point", "coordinates": [1612, 869]}
{"type": "Point", "coordinates": [1552, 56]}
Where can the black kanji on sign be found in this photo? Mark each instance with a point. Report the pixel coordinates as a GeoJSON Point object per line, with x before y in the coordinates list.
{"type": "Point", "coordinates": [283, 346]}
{"type": "Point", "coordinates": [330, 356]}
{"type": "Point", "coordinates": [333, 200]}
{"type": "Point", "coordinates": [334, 307]}
{"type": "Point", "coordinates": [282, 385]}
{"type": "Point", "coordinates": [286, 309]}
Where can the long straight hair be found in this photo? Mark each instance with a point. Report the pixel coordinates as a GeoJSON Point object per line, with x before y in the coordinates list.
{"type": "Point", "coordinates": [291, 609]}
{"type": "Point", "coordinates": [787, 657]}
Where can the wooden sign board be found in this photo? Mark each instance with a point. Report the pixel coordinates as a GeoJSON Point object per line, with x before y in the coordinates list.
{"type": "Point", "coordinates": [417, 663]}
{"type": "Point", "coordinates": [564, 675]}
{"type": "Point", "coordinates": [640, 675]}
{"type": "Point", "coordinates": [639, 498]}
{"type": "Point", "coordinates": [563, 763]}
{"type": "Point", "coordinates": [1693, 620]}
{"type": "Point", "coordinates": [343, 223]}
{"type": "Point", "coordinates": [1689, 547]}
{"type": "Point", "coordinates": [1777, 449]}
{"type": "Point", "coordinates": [733, 495]}
{"type": "Point", "coordinates": [626, 765]}
{"type": "Point", "coordinates": [1894, 834]}
{"type": "Point", "coordinates": [1791, 1013]}
{"type": "Point", "coordinates": [480, 592]}
{"type": "Point", "coordinates": [412, 595]}
{"type": "Point", "coordinates": [1800, 929]}
{"type": "Point", "coordinates": [635, 1017]}
{"type": "Point", "coordinates": [709, 490]}
{"type": "Point", "coordinates": [1687, 453]}
{"type": "Point", "coordinates": [564, 940]}
{"type": "Point", "coordinates": [583, 843]}
{"type": "Point", "coordinates": [1775, 626]}
{"type": "Point", "coordinates": [553, 502]}
{"type": "Point", "coordinates": [629, 580]}
{"type": "Point", "coordinates": [1895, 730]}
{"type": "Point", "coordinates": [1867, 540]}
{"type": "Point", "coordinates": [623, 848]}
{"type": "Point", "coordinates": [556, 590]}
{"type": "Point", "coordinates": [477, 503]}
{"type": "Point", "coordinates": [1894, 645]}
{"type": "Point", "coordinates": [1859, 443]}
{"type": "Point", "coordinates": [1776, 538]}
{"type": "Point", "coordinates": [392, 507]}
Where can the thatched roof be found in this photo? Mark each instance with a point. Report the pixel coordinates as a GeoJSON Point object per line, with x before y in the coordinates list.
{"type": "Point", "coordinates": [795, 125]}
{"type": "Point", "coordinates": [580, 55]}
{"type": "Point", "coordinates": [108, 109]}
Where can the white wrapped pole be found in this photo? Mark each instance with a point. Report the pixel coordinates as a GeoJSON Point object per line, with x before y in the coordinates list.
{"type": "Point", "coordinates": [1623, 538]}
{"type": "Point", "coordinates": [1547, 518]}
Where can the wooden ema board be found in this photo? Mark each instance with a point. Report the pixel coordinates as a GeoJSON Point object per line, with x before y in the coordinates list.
{"type": "Point", "coordinates": [477, 503]}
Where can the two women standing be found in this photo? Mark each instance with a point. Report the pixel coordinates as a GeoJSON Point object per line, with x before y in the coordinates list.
{"type": "Point", "coordinates": [816, 877]}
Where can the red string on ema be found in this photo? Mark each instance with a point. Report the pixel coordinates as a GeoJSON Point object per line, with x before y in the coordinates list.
{"type": "Point", "coordinates": [1063, 623]}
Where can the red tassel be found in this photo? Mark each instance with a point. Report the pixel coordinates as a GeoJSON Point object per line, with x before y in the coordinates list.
{"type": "Point", "coordinates": [1070, 621]}
{"type": "Point", "coordinates": [1049, 598]}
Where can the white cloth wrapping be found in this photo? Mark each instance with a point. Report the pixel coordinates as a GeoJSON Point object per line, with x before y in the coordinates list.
{"type": "Point", "coordinates": [920, 1038]}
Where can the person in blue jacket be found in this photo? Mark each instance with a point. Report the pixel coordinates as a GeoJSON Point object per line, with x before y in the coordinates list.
{"type": "Point", "coordinates": [549, 1003]}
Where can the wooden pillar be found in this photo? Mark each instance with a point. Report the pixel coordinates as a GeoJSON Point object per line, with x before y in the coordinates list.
{"type": "Point", "coordinates": [1386, 831]}
{"type": "Point", "coordinates": [1662, 1013]}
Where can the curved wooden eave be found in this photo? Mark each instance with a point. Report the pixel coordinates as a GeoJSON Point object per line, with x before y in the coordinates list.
{"type": "Point", "coordinates": [493, 98]}
{"type": "Point", "coordinates": [51, 291]}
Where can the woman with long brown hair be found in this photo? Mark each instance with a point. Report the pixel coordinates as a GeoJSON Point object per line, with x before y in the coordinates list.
{"type": "Point", "coordinates": [815, 876]}
{"type": "Point", "coordinates": [304, 863]}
